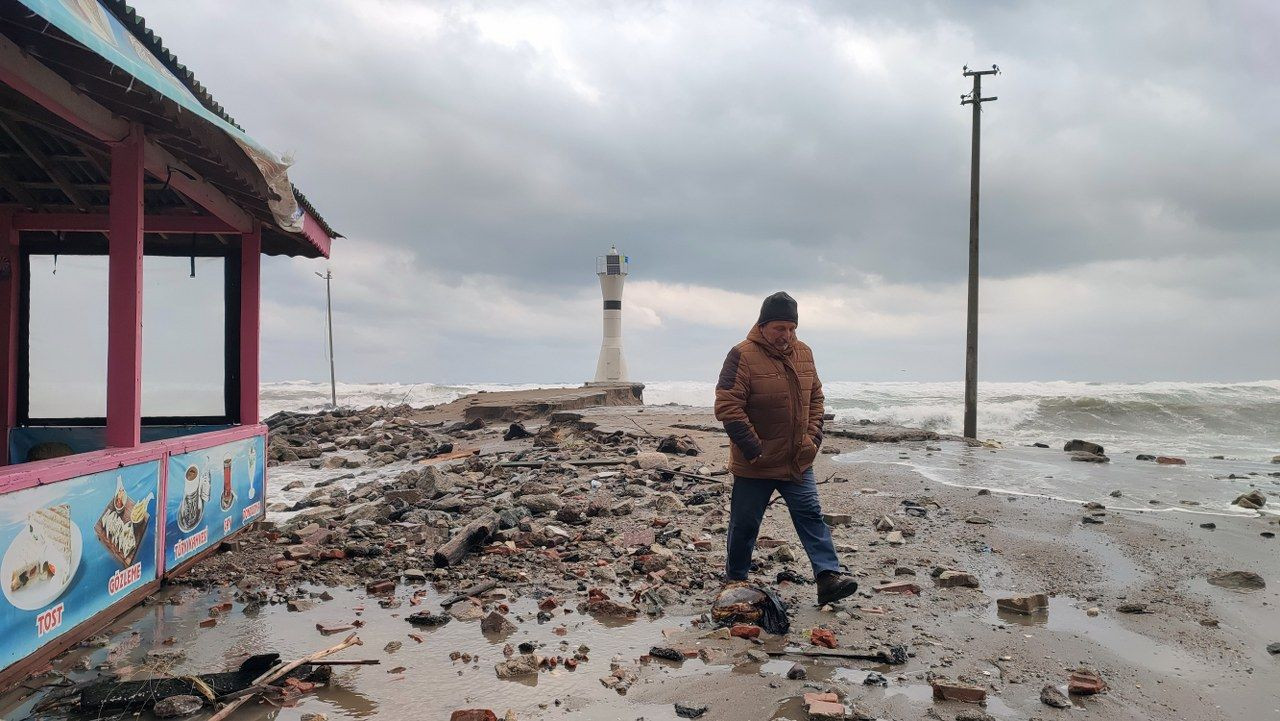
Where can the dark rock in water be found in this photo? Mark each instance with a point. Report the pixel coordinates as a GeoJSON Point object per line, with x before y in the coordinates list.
{"type": "Point", "coordinates": [1039, 445]}
{"type": "Point", "coordinates": [744, 603]}
{"type": "Point", "coordinates": [665, 652]}
{"type": "Point", "coordinates": [426, 618]}
{"type": "Point", "coordinates": [689, 711]}
{"type": "Point", "coordinates": [875, 678]}
{"type": "Point", "coordinates": [1079, 445]}
{"type": "Point", "coordinates": [178, 706]}
{"type": "Point", "coordinates": [797, 672]}
{"type": "Point", "coordinates": [1115, 494]}
{"type": "Point", "coordinates": [516, 430]}
{"type": "Point", "coordinates": [1252, 500]}
{"type": "Point", "coordinates": [1092, 519]}
{"type": "Point", "coordinates": [1145, 457]}
{"type": "Point", "coordinates": [1238, 580]}
{"type": "Point", "coordinates": [1273, 648]}
{"type": "Point", "coordinates": [1133, 608]}
{"type": "Point", "coordinates": [1051, 696]}
{"type": "Point", "coordinates": [1088, 457]}
{"type": "Point", "coordinates": [1210, 525]}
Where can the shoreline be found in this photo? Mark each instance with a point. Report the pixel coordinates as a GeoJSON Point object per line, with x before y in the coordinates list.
{"type": "Point", "coordinates": [1156, 664]}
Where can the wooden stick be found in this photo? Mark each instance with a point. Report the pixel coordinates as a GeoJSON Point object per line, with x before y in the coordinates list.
{"type": "Point", "coordinates": [468, 593]}
{"type": "Point", "coordinates": [282, 670]}
{"type": "Point", "coordinates": [465, 540]}
{"type": "Point", "coordinates": [353, 662]}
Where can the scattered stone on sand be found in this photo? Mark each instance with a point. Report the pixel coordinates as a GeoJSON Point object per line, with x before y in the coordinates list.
{"type": "Point", "coordinates": [690, 711]}
{"type": "Point", "coordinates": [974, 714]}
{"type": "Point", "coordinates": [978, 520]}
{"type": "Point", "coordinates": [1029, 604]}
{"type": "Point", "coordinates": [1094, 520]}
{"type": "Point", "coordinates": [1078, 445]}
{"type": "Point", "coordinates": [679, 445]}
{"type": "Point", "coordinates": [1210, 525]}
{"type": "Point", "coordinates": [473, 714]}
{"type": "Point", "coordinates": [667, 653]}
{"type": "Point", "coordinates": [1170, 461]}
{"type": "Point", "coordinates": [1238, 580]}
{"type": "Point", "coordinates": [178, 706]}
{"type": "Point", "coordinates": [496, 623]}
{"type": "Point", "coordinates": [797, 672]}
{"type": "Point", "coordinates": [522, 665]}
{"type": "Point", "coordinates": [517, 430]}
{"type": "Point", "coordinates": [1134, 608]}
{"type": "Point", "coordinates": [823, 637]}
{"type": "Point", "coordinates": [823, 706]}
{"type": "Point", "coordinates": [956, 579]}
{"type": "Point", "coordinates": [946, 690]}
{"type": "Point", "coordinates": [1085, 682]}
{"type": "Point", "coordinates": [1115, 494]}
{"type": "Point", "coordinates": [1273, 648]}
{"type": "Point", "coordinates": [1252, 500]}
{"type": "Point", "coordinates": [1087, 457]}
{"type": "Point", "coordinates": [1051, 696]}
{"type": "Point", "coordinates": [1144, 457]}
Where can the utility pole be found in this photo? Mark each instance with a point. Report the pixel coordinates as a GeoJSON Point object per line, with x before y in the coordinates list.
{"type": "Point", "coordinates": [328, 295]}
{"type": "Point", "coordinates": [975, 99]}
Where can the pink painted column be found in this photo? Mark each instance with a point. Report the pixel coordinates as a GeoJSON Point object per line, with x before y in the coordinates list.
{"type": "Point", "coordinates": [10, 282]}
{"type": "Point", "coordinates": [250, 299]}
{"type": "Point", "coordinates": [124, 304]}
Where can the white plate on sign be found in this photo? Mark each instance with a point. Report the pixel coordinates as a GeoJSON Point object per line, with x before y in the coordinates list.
{"type": "Point", "coordinates": [42, 593]}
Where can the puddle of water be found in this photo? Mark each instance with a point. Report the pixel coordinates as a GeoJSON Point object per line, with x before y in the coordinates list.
{"type": "Point", "coordinates": [1134, 648]}
{"type": "Point", "coordinates": [1050, 473]}
{"type": "Point", "coordinates": [431, 686]}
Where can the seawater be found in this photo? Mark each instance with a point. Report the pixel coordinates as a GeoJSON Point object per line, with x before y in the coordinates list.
{"type": "Point", "coordinates": [1237, 420]}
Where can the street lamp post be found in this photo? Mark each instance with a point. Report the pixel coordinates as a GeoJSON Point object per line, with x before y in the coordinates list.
{"type": "Point", "coordinates": [328, 295]}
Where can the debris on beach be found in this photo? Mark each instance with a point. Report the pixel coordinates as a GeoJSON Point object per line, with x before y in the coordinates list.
{"type": "Point", "coordinates": [1085, 682]}
{"type": "Point", "coordinates": [1252, 500]}
{"type": "Point", "coordinates": [742, 602]}
{"type": "Point", "coordinates": [1238, 580]}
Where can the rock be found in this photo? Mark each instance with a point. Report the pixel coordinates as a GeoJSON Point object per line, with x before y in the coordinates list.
{"type": "Point", "coordinates": [1133, 608]}
{"type": "Point", "coordinates": [178, 706]}
{"type": "Point", "coordinates": [651, 460]}
{"type": "Point", "coordinates": [392, 646]}
{"type": "Point", "coordinates": [1051, 696]}
{"type": "Point", "coordinates": [797, 672]}
{"type": "Point", "coordinates": [429, 619]}
{"type": "Point", "coordinates": [542, 502]}
{"type": "Point", "coordinates": [1024, 604]}
{"type": "Point", "coordinates": [978, 520]}
{"type": "Point", "coordinates": [875, 678]}
{"type": "Point", "coordinates": [473, 714]}
{"type": "Point", "coordinates": [1275, 459]}
{"type": "Point", "coordinates": [496, 623]}
{"type": "Point", "coordinates": [1273, 648]}
{"type": "Point", "coordinates": [885, 524]}
{"type": "Point", "coordinates": [1084, 446]}
{"type": "Point", "coordinates": [974, 715]}
{"type": "Point", "coordinates": [516, 430]}
{"type": "Point", "coordinates": [954, 579]}
{"type": "Point", "coordinates": [823, 637]}
{"type": "Point", "coordinates": [300, 605]}
{"type": "Point", "coordinates": [1092, 611]}
{"type": "Point", "coordinates": [1087, 457]}
{"type": "Point", "coordinates": [1038, 444]}
{"type": "Point", "coordinates": [837, 519]}
{"type": "Point", "coordinates": [314, 717]}
{"type": "Point", "coordinates": [1210, 525]}
{"type": "Point", "coordinates": [1144, 457]}
{"type": "Point", "coordinates": [523, 665]}
{"type": "Point", "coordinates": [667, 653]}
{"type": "Point", "coordinates": [684, 711]}
{"type": "Point", "coordinates": [1252, 500]}
{"type": "Point", "coordinates": [1084, 682]}
{"type": "Point", "coordinates": [1115, 494]}
{"type": "Point", "coordinates": [745, 630]}
{"type": "Point", "coordinates": [825, 710]}
{"type": "Point", "coordinates": [1091, 519]}
{"type": "Point", "coordinates": [679, 445]}
{"type": "Point", "coordinates": [944, 690]}
{"type": "Point", "coordinates": [757, 655]}
{"type": "Point", "coordinates": [1238, 580]}
{"type": "Point", "coordinates": [1170, 461]}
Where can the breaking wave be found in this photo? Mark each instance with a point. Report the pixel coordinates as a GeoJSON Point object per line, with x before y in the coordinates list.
{"type": "Point", "coordinates": [1201, 419]}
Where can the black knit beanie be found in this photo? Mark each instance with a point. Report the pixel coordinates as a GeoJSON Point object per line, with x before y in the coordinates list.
{"type": "Point", "coordinates": [779, 306]}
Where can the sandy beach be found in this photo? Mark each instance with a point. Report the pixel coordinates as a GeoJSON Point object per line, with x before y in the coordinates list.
{"type": "Point", "coordinates": [1129, 595]}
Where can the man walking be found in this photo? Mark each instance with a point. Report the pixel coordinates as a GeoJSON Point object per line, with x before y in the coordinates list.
{"type": "Point", "coordinates": [770, 401]}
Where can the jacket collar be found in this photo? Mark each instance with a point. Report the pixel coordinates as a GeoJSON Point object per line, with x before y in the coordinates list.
{"type": "Point", "coordinates": [757, 337]}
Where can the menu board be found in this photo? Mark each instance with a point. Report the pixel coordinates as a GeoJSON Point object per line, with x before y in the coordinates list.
{"type": "Point", "coordinates": [212, 493]}
{"type": "Point", "coordinates": [71, 549]}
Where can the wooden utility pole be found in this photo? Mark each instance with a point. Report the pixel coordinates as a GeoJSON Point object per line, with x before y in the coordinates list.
{"type": "Point", "coordinates": [971, 339]}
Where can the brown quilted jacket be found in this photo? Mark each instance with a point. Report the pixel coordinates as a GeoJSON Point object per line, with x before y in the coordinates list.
{"type": "Point", "coordinates": [771, 405]}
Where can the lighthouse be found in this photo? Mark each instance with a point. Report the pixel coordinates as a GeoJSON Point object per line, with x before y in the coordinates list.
{"type": "Point", "coordinates": [612, 270]}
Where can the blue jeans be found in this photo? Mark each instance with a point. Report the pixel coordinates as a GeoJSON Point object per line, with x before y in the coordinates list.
{"type": "Point", "coordinates": [746, 510]}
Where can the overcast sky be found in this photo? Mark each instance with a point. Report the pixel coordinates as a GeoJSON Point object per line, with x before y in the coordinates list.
{"type": "Point", "coordinates": [478, 156]}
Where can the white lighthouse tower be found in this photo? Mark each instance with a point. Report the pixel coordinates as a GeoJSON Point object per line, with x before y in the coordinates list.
{"type": "Point", "coordinates": [612, 270]}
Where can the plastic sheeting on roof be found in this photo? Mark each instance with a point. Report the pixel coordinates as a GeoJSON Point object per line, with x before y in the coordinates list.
{"type": "Point", "coordinates": [99, 30]}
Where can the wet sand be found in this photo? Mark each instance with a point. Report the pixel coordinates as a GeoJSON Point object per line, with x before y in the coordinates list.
{"type": "Point", "coordinates": [1167, 664]}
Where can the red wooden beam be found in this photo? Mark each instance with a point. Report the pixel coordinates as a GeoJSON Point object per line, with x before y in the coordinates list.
{"type": "Point", "coordinates": [10, 281]}
{"type": "Point", "coordinates": [314, 233]}
{"type": "Point", "coordinates": [250, 297]}
{"type": "Point", "coordinates": [124, 301]}
{"type": "Point", "coordinates": [101, 223]}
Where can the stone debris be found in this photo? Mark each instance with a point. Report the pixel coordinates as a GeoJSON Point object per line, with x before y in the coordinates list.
{"type": "Point", "coordinates": [1238, 580]}
{"type": "Point", "coordinates": [473, 714]}
{"type": "Point", "coordinates": [1087, 457]}
{"type": "Point", "coordinates": [1051, 696]}
{"type": "Point", "coordinates": [1033, 603]}
{"type": "Point", "coordinates": [497, 624]}
{"type": "Point", "coordinates": [1084, 682]}
{"type": "Point", "coordinates": [946, 690]}
{"type": "Point", "coordinates": [823, 637]}
{"type": "Point", "coordinates": [1170, 461]}
{"type": "Point", "coordinates": [956, 579]}
{"type": "Point", "coordinates": [1079, 446]}
{"type": "Point", "coordinates": [684, 711]}
{"type": "Point", "coordinates": [1273, 648]}
{"type": "Point", "coordinates": [1252, 500]}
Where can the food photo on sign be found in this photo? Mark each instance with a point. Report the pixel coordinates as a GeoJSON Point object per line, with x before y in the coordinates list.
{"type": "Point", "coordinates": [71, 549]}
{"type": "Point", "coordinates": [212, 492]}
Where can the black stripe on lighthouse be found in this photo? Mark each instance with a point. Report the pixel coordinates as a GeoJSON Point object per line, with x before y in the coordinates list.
{"type": "Point", "coordinates": [613, 305]}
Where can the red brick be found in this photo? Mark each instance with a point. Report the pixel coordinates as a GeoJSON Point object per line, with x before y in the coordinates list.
{"type": "Point", "coordinates": [822, 637]}
{"type": "Point", "coordinates": [473, 714]}
{"type": "Point", "coordinates": [1084, 682]}
{"type": "Point", "coordinates": [745, 630]}
{"type": "Point", "coordinates": [825, 710]}
{"type": "Point", "coordinates": [948, 691]}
